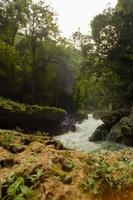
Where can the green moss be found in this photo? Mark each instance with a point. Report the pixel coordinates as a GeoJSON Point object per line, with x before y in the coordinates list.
{"type": "Point", "coordinates": [28, 117]}
{"type": "Point", "coordinates": [6, 140]}
{"type": "Point", "coordinates": [51, 113]}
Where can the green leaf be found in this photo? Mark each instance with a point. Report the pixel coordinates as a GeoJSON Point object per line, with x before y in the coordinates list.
{"type": "Point", "coordinates": [19, 197]}
{"type": "Point", "coordinates": [11, 191]}
{"type": "Point", "coordinates": [26, 190]}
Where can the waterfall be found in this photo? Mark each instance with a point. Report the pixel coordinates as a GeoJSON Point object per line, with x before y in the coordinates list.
{"type": "Point", "coordinates": [79, 139]}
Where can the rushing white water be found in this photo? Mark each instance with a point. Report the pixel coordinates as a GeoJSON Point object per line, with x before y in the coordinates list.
{"type": "Point", "coordinates": [79, 139]}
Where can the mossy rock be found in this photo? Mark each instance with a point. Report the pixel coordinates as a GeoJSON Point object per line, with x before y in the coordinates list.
{"type": "Point", "coordinates": [101, 133]}
{"type": "Point", "coordinates": [81, 115]}
{"type": "Point", "coordinates": [30, 117]}
{"type": "Point", "coordinates": [122, 132]}
{"type": "Point", "coordinates": [112, 117]}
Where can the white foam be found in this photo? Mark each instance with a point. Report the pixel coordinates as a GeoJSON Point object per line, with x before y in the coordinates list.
{"type": "Point", "coordinates": [79, 139]}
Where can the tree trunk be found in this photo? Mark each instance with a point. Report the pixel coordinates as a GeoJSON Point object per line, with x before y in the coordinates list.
{"type": "Point", "coordinates": [33, 50]}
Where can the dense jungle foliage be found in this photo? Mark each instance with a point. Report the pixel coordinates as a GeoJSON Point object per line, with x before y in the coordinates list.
{"type": "Point", "coordinates": [106, 77]}
{"type": "Point", "coordinates": [39, 66]}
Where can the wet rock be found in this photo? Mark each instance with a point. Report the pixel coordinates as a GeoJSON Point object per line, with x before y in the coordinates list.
{"type": "Point", "coordinates": [122, 132]}
{"type": "Point", "coordinates": [68, 124]}
{"type": "Point", "coordinates": [65, 126]}
{"type": "Point", "coordinates": [117, 127]}
{"type": "Point", "coordinates": [73, 128]}
{"type": "Point", "coordinates": [100, 133]}
{"type": "Point", "coordinates": [112, 117]}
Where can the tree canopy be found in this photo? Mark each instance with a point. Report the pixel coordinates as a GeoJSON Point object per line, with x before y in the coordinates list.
{"type": "Point", "coordinates": [107, 72]}
{"type": "Point", "coordinates": [39, 66]}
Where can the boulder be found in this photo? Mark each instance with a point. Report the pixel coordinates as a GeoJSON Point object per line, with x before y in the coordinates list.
{"type": "Point", "coordinates": [65, 126]}
{"type": "Point", "coordinates": [112, 117]}
{"type": "Point", "coordinates": [73, 128]}
{"type": "Point", "coordinates": [117, 127]}
{"type": "Point", "coordinates": [68, 124]}
{"type": "Point", "coordinates": [122, 132]}
{"type": "Point", "coordinates": [100, 133]}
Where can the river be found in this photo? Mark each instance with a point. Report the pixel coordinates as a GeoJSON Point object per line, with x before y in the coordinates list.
{"type": "Point", "coordinates": [79, 139]}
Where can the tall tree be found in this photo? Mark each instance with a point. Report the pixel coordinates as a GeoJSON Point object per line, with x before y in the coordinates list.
{"type": "Point", "coordinates": [107, 71]}
{"type": "Point", "coordinates": [41, 26]}
{"type": "Point", "coordinates": [13, 15]}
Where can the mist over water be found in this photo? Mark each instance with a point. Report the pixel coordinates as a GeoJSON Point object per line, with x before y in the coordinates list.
{"type": "Point", "coordinates": [79, 139]}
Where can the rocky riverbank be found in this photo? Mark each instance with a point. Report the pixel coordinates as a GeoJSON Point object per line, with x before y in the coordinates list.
{"type": "Point", "coordinates": [117, 127]}
{"type": "Point", "coordinates": [36, 167]}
